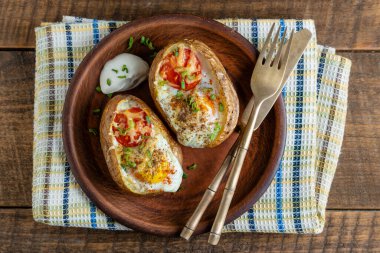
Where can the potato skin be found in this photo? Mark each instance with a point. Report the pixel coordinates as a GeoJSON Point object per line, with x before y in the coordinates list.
{"type": "Point", "coordinates": [106, 138]}
{"type": "Point", "coordinates": [228, 92]}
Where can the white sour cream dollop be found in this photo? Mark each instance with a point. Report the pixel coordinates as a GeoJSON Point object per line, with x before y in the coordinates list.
{"type": "Point", "coordinates": [124, 72]}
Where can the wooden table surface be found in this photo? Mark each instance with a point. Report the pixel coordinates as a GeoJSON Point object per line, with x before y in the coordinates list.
{"type": "Point", "coordinates": [353, 216]}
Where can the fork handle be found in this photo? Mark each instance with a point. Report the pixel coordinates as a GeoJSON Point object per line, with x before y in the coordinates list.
{"type": "Point", "coordinates": [192, 223]}
{"type": "Point", "coordinates": [229, 190]}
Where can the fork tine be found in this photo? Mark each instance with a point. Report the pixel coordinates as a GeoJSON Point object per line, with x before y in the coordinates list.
{"type": "Point", "coordinates": [268, 60]}
{"type": "Point", "coordinates": [269, 36]}
{"type": "Point", "coordinates": [278, 55]}
{"type": "Point", "coordinates": [284, 60]}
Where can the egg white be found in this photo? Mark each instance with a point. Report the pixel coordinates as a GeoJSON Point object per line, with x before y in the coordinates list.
{"type": "Point", "coordinates": [157, 142]}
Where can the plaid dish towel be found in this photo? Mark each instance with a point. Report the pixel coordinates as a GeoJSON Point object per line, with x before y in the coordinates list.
{"type": "Point", "coordinates": [316, 104]}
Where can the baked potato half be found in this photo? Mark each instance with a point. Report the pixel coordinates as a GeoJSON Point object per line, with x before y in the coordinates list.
{"type": "Point", "coordinates": [194, 94]}
{"type": "Point", "coordinates": [141, 155]}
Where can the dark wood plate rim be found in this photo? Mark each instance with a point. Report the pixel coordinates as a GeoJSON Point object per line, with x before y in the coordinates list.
{"type": "Point", "coordinates": [73, 156]}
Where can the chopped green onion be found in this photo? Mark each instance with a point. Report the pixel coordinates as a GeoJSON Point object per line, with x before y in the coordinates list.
{"type": "Point", "coordinates": [192, 167]}
{"type": "Point", "coordinates": [98, 89]}
{"type": "Point", "coordinates": [124, 68]}
{"type": "Point", "coordinates": [183, 84]}
{"type": "Point", "coordinates": [108, 82]}
{"type": "Point", "coordinates": [142, 41]}
{"type": "Point", "coordinates": [184, 74]}
{"type": "Point", "coordinates": [175, 52]}
{"type": "Point", "coordinates": [162, 82]}
{"type": "Point", "coordinates": [193, 105]}
{"type": "Point", "coordinates": [95, 111]}
{"type": "Point", "coordinates": [130, 43]}
{"type": "Point", "coordinates": [131, 164]}
{"type": "Point", "coordinates": [184, 175]}
{"type": "Point", "coordinates": [221, 107]}
{"type": "Point", "coordinates": [192, 77]}
{"type": "Point", "coordinates": [215, 132]}
{"type": "Point", "coordinates": [109, 95]}
{"type": "Point", "coordinates": [94, 131]}
{"type": "Point", "coordinates": [131, 124]}
{"type": "Point", "coordinates": [127, 150]}
{"type": "Point", "coordinates": [207, 89]}
{"type": "Point", "coordinates": [122, 132]}
{"type": "Point", "coordinates": [150, 45]}
{"type": "Point", "coordinates": [122, 77]}
{"type": "Point", "coordinates": [179, 94]}
{"type": "Point", "coordinates": [212, 97]}
{"type": "Point", "coordinates": [148, 119]}
{"type": "Point", "coordinates": [115, 70]}
{"type": "Point", "coordinates": [149, 153]}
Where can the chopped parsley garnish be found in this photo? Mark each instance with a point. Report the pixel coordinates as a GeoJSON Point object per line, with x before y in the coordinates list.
{"type": "Point", "coordinates": [184, 175]}
{"type": "Point", "coordinates": [215, 132]}
{"type": "Point", "coordinates": [108, 82]}
{"type": "Point", "coordinates": [148, 119]}
{"type": "Point", "coordinates": [94, 131]}
{"type": "Point", "coordinates": [122, 77]}
{"type": "Point", "coordinates": [95, 111]}
{"type": "Point", "coordinates": [162, 82]}
{"type": "Point", "coordinates": [109, 95]}
{"type": "Point", "coordinates": [221, 107]}
{"type": "Point", "coordinates": [98, 89]}
{"type": "Point", "coordinates": [124, 68]}
{"type": "Point", "coordinates": [115, 70]}
{"type": "Point", "coordinates": [192, 167]}
{"type": "Point", "coordinates": [179, 94]}
{"type": "Point", "coordinates": [192, 103]}
{"type": "Point", "coordinates": [183, 84]}
{"type": "Point", "coordinates": [212, 97]}
{"type": "Point", "coordinates": [130, 43]}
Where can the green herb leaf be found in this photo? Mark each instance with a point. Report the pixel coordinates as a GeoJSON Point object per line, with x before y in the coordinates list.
{"type": "Point", "coordinates": [96, 111]}
{"type": "Point", "coordinates": [215, 132]}
{"type": "Point", "coordinates": [142, 41]}
{"type": "Point", "coordinates": [150, 45]}
{"type": "Point", "coordinates": [184, 175]}
{"type": "Point", "coordinates": [94, 131]}
{"type": "Point", "coordinates": [162, 82]}
{"type": "Point", "coordinates": [183, 84]}
{"type": "Point", "coordinates": [221, 107]}
{"type": "Point", "coordinates": [179, 94]}
{"type": "Point", "coordinates": [108, 82]}
{"type": "Point", "coordinates": [192, 167]}
{"type": "Point", "coordinates": [127, 150]}
{"type": "Point", "coordinates": [109, 95]}
{"type": "Point", "coordinates": [122, 132]}
{"type": "Point", "coordinates": [115, 70]}
{"type": "Point", "coordinates": [212, 97]}
{"type": "Point", "coordinates": [175, 52]}
{"type": "Point", "coordinates": [124, 68]}
{"type": "Point", "coordinates": [130, 43]}
{"type": "Point", "coordinates": [130, 164]}
{"type": "Point", "coordinates": [148, 119]}
{"type": "Point", "coordinates": [98, 89]}
{"type": "Point", "coordinates": [122, 77]}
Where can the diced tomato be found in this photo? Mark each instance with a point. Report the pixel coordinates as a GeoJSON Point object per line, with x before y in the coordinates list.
{"type": "Point", "coordinates": [131, 134]}
{"type": "Point", "coordinates": [186, 61]}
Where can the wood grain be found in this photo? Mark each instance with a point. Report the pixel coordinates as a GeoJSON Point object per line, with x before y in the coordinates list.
{"type": "Point", "coordinates": [355, 185]}
{"type": "Point", "coordinates": [345, 231]}
{"type": "Point", "coordinates": [342, 24]}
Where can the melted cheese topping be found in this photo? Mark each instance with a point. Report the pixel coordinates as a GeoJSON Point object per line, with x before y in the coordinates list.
{"type": "Point", "coordinates": [195, 114]}
{"type": "Point", "coordinates": [149, 167]}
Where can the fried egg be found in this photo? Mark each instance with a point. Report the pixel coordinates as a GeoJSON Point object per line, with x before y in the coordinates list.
{"type": "Point", "coordinates": [145, 158]}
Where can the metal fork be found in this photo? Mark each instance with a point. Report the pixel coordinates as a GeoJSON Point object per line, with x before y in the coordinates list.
{"type": "Point", "coordinates": [265, 81]}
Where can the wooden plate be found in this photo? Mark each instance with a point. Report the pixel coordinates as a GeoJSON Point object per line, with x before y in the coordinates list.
{"type": "Point", "coordinates": [166, 214]}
